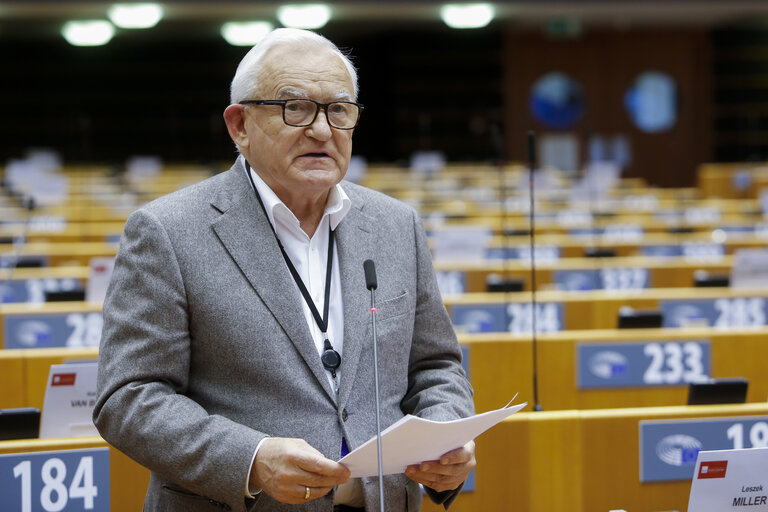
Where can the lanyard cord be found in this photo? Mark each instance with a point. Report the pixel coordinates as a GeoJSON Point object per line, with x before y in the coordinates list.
{"type": "Point", "coordinates": [330, 358]}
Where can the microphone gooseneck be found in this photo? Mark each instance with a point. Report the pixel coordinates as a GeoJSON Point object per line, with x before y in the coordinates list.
{"type": "Point", "coordinates": [371, 284]}
{"type": "Point", "coordinates": [531, 216]}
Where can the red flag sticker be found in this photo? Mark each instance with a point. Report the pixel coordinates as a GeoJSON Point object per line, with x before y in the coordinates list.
{"type": "Point", "coordinates": [713, 469]}
{"type": "Point", "coordinates": [63, 379]}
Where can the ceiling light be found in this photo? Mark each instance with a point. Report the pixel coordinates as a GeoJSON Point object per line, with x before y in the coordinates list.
{"type": "Point", "coordinates": [135, 15]}
{"type": "Point", "coordinates": [245, 33]}
{"type": "Point", "coordinates": [88, 32]}
{"type": "Point", "coordinates": [304, 16]}
{"type": "Point", "coordinates": [466, 15]}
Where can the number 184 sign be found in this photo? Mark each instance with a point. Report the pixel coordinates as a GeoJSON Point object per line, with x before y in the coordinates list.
{"type": "Point", "coordinates": [63, 481]}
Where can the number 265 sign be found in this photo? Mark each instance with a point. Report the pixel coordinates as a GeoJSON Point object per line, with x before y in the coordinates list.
{"type": "Point", "coordinates": [62, 481]}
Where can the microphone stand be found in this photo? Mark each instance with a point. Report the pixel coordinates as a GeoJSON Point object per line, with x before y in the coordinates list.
{"type": "Point", "coordinates": [531, 212]}
{"type": "Point", "coordinates": [370, 275]}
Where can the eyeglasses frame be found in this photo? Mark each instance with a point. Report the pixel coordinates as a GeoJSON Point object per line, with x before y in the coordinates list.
{"type": "Point", "coordinates": [320, 106]}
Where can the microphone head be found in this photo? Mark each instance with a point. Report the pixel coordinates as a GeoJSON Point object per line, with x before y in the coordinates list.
{"type": "Point", "coordinates": [370, 274]}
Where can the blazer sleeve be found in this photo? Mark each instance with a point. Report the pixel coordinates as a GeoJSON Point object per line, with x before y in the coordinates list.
{"type": "Point", "coordinates": [144, 372]}
{"type": "Point", "coordinates": [438, 387]}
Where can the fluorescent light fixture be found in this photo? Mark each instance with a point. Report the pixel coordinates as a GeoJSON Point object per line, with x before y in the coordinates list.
{"type": "Point", "coordinates": [304, 16]}
{"type": "Point", "coordinates": [135, 15]}
{"type": "Point", "coordinates": [467, 15]}
{"type": "Point", "coordinates": [88, 32]}
{"type": "Point", "coordinates": [248, 33]}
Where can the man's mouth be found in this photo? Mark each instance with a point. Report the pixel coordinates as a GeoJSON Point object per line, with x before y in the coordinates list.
{"type": "Point", "coordinates": [315, 155]}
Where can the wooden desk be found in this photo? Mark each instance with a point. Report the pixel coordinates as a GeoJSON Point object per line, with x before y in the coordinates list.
{"type": "Point", "coordinates": [577, 461]}
{"type": "Point", "coordinates": [30, 284]}
{"type": "Point", "coordinates": [500, 365]}
{"type": "Point", "coordinates": [61, 254]}
{"type": "Point", "coordinates": [599, 309]}
{"type": "Point", "coordinates": [664, 273]}
{"type": "Point", "coordinates": [24, 373]}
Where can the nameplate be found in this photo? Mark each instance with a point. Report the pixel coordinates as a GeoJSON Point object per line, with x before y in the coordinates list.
{"type": "Point", "coordinates": [64, 481]}
{"type": "Point", "coordinates": [662, 251]}
{"type": "Point", "coordinates": [730, 480]}
{"type": "Point", "coordinates": [70, 397]}
{"type": "Point", "coordinates": [33, 290]}
{"type": "Point", "coordinates": [750, 268]}
{"type": "Point", "coordinates": [451, 282]}
{"type": "Point", "coordinates": [52, 330]}
{"type": "Point", "coordinates": [630, 278]}
{"type": "Point", "coordinates": [523, 253]}
{"type": "Point", "coordinates": [702, 251]}
{"type": "Point", "coordinates": [669, 449]}
{"type": "Point", "coordinates": [516, 317]}
{"type": "Point", "coordinates": [623, 233]}
{"type": "Point", "coordinates": [649, 364]}
{"type": "Point", "coordinates": [723, 313]}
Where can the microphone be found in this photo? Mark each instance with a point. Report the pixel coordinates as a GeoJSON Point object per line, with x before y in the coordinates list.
{"type": "Point", "coordinates": [371, 284]}
{"type": "Point", "coordinates": [370, 275]}
{"type": "Point", "coordinates": [531, 167]}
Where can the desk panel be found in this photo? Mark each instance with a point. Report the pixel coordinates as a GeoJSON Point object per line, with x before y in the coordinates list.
{"type": "Point", "coordinates": [128, 480]}
{"type": "Point", "coordinates": [577, 461]}
{"type": "Point", "coordinates": [24, 373]}
{"type": "Point", "coordinates": [501, 365]}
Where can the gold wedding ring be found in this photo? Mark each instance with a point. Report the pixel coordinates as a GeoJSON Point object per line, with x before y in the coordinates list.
{"type": "Point", "coordinates": [306, 494]}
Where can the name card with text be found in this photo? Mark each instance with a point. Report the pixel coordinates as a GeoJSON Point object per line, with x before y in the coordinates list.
{"type": "Point", "coordinates": [730, 480]}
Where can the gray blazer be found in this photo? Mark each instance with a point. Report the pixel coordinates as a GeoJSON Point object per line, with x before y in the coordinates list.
{"type": "Point", "coordinates": [205, 350]}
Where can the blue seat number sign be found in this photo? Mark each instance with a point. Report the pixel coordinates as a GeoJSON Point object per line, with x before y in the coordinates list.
{"type": "Point", "coordinates": [642, 364]}
{"type": "Point", "coordinates": [53, 330]}
{"type": "Point", "coordinates": [515, 317]}
{"type": "Point", "coordinates": [724, 313]}
{"type": "Point", "coordinates": [60, 481]}
{"type": "Point", "coordinates": [668, 449]}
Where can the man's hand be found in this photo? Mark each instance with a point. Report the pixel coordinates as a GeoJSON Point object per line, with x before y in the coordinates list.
{"type": "Point", "coordinates": [284, 468]}
{"type": "Point", "coordinates": [447, 473]}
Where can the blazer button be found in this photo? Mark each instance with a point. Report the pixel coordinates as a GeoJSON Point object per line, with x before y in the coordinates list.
{"type": "Point", "coordinates": [344, 415]}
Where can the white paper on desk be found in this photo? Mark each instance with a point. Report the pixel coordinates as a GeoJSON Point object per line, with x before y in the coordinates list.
{"type": "Point", "coordinates": [413, 440]}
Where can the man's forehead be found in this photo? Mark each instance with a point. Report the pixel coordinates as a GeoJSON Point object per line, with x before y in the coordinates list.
{"type": "Point", "coordinates": [289, 68]}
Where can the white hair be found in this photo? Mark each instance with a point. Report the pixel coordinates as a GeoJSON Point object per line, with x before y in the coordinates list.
{"type": "Point", "coordinates": [246, 80]}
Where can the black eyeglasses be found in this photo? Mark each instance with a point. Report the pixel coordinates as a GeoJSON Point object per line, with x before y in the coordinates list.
{"type": "Point", "coordinates": [343, 115]}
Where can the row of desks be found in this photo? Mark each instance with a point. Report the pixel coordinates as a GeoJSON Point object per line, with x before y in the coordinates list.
{"type": "Point", "coordinates": [579, 461]}
{"type": "Point", "coordinates": [596, 369]}
{"type": "Point", "coordinates": [719, 307]}
{"type": "Point", "coordinates": [567, 274]}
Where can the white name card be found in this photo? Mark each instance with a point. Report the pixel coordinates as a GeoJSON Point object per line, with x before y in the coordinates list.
{"type": "Point", "coordinates": [750, 268]}
{"type": "Point", "coordinates": [100, 272]}
{"type": "Point", "coordinates": [730, 480]}
{"type": "Point", "coordinates": [69, 400]}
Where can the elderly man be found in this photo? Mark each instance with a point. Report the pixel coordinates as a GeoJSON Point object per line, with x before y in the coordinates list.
{"type": "Point", "coordinates": [236, 360]}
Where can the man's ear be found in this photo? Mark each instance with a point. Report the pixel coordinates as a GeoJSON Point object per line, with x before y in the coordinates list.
{"type": "Point", "coordinates": [234, 117]}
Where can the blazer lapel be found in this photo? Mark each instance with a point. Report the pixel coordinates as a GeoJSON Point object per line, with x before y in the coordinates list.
{"type": "Point", "coordinates": [245, 232]}
{"type": "Point", "coordinates": [354, 241]}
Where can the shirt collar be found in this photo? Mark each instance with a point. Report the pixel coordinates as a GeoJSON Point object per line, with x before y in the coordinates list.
{"type": "Point", "coordinates": [336, 206]}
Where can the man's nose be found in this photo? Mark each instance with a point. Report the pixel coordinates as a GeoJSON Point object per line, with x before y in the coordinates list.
{"type": "Point", "coordinates": [320, 127]}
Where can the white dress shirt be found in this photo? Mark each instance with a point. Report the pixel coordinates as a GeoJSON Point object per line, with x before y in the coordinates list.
{"type": "Point", "coordinates": [309, 256]}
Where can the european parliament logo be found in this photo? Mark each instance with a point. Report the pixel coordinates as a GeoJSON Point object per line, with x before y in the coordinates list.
{"type": "Point", "coordinates": [608, 365]}
{"type": "Point", "coordinates": [678, 450]}
{"type": "Point", "coordinates": [34, 333]}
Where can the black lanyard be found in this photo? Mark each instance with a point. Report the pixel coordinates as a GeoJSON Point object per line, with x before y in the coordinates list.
{"type": "Point", "coordinates": [330, 358]}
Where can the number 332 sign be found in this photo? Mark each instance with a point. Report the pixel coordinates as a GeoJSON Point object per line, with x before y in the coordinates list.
{"type": "Point", "coordinates": [62, 481]}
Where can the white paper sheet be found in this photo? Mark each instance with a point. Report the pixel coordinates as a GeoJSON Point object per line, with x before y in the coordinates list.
{"type": "Point", "coordinates": [413, 440]}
